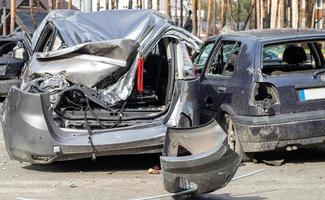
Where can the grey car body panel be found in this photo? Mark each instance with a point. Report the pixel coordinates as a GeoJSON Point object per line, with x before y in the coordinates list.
{"type": "Point", "coordinates": [289, 122]}
{"type": "Point", "coordinates": [30, 133]}
{"type": "Point", "coordinates": [210, 166]}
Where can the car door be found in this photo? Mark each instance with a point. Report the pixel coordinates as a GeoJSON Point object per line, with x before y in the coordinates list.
{"type": "Point", "coordinates": [215, 79]}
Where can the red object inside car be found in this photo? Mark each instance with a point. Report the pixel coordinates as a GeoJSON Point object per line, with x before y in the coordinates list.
{"type": "Point", "coordinates": [140, 74]}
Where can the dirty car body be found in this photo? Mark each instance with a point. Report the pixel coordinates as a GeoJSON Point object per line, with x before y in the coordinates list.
{"type": "Point", "coordinates": [111, 83]}
{"type": "Point", "coordinates": [269, 84]}
{"type": "Point", "coordinates": [15, 51]}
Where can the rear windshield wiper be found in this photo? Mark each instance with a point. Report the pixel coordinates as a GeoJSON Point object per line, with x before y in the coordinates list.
{"type": "Point", "coordinates": [318, 72]}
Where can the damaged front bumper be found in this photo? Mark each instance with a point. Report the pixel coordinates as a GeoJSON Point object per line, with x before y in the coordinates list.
{"type": "Point", "coordinates": [32, 136]}
{"type": "Point", "coordinates": [208, 163]}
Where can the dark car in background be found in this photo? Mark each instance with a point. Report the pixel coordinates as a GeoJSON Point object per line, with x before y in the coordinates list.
{"type": "Point", "coordinates": [14, 53]}
{"type": "Point", "coordinates": [267, 88]}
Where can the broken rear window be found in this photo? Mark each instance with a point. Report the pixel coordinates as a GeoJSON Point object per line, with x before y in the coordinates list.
{"type": "Point", "coordinates": [293, 57]}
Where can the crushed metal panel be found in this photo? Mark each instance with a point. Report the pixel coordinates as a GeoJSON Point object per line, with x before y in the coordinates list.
{"type": "Point", "coordinates": [210, 166]}
{"type": "Point", "coordinates": [78, 27]}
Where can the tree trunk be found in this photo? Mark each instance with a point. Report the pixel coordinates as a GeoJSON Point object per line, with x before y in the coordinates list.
{"type": "Point", "coordinates": [310, 10]}
{"type": "Point", "coordinates": [130, 4]}
{"type": "Point", "coordinates": [12, 15]}
{"type": "Point", "coordinates": [274, 4]}
{"type": "Point", "coordinates": [209, 17]}
{"type": "Point", "coordinates": [257, 14]}
{"type": "Point", "coordinates": [249, 16]}
{"type": "Point", "coordinates": [194, 16]}
{"type": "Point", "coordinates": [277, 22]}
{"type": "Point", "coordinates": [149, 4]}
{"type": "Point", "coordinates": [302, 14]}
{"type": "Point", "coordinates": [229, 13]}
{"type": "Point", "coordinates": [167, 8]}
{"type": "Point", "coordinates": [175, 12]}
{"type": "Point", "coordinates": [199, 20]}
{"type": "Point", "coordinates": [158, 5]}
{"type": "Point", "coordinates": [281, 15]}
{"type": "Point", "coordinates": [57, 4]}
{"type": "Point", "coordinates": [263, 13]}
{"type": "Point", "coordinates": [181, 14]}
{"type": "Point", "coordinates": [238, 15]}
{"type": "Point", "coordinates": [69, 4]}
{"type": "Point", "coordinates": [98, 5]}
{"type": "Point", "coordinates": [222, 13]}
{"type": "Point", "coordinates": [50, 2]}
{"type": "Point", "coordinates": [294, 10]}
{"type": "Point", "coordinates": [213, 18]}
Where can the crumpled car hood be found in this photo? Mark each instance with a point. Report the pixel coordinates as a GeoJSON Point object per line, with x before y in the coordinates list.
{"type": "Point", "coordinates": [87, 63]}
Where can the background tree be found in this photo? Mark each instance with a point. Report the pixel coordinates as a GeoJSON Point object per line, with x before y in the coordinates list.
{"type": "Point", "coordinates": [194, 16]}
{"type": "Point", "coordinates": [199, 19]}
{"type": "Point", "coordinates": [158, 5]}
{"type": "Point", "coordinates": [149, 4]}
{"type": "Point", "coordinates": [167, 8]}
{"type": "Point", "coordinates": [130, 4]}
{"type": "Point", "coordinates": [175, 12]}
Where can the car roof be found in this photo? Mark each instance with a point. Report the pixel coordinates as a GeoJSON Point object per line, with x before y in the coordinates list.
{"type": "Point", "coordinates": [267, 35]}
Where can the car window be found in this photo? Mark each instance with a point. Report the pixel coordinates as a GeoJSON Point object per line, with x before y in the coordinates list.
{"type": "Point", "coordinates": [58, 43]}
{"type": "Point", "coordinates": [225, 59]}
{"type": "Point", "coordinates": [293, 57]}
{"type": "Point", "coordinates": [13, 50]}
{"type": "Point", "coordinates": [204, 54]}
{"type": "Point", "coordinates": [50, 40]}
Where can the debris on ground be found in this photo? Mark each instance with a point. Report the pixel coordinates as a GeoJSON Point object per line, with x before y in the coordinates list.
{"type": "Point", "coordinates": [154, 170]}
{"type": "Point", "coordinates": [276, 163]}
{"type": "Point", "coordinates": [72, 185]}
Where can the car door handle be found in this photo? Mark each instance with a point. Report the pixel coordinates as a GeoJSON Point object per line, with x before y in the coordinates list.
{"type": "Point", "coordinates": [221, 89]}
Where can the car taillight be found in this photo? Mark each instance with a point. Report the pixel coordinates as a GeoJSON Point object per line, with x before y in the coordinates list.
{"type": "Point", "coordinates": [140, 75]}
{"type": "Point", "coordinates": [265, 96]}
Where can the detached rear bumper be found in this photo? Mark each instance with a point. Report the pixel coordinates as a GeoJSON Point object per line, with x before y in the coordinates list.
{"type": "Point", "coordinates": [210, 166]}
{"type": "Point", "coordinates": [32, 136]}
{"type": "Point", "coordinates": [268, 133]}
{"type": "Point", "coordinates": [6, 84]}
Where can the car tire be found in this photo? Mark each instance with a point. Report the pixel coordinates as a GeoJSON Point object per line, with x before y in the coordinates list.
{"type": "Point", "coordinates": [232, 137]}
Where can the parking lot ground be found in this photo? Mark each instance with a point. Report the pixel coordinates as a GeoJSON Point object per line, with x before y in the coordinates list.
{"type": "Point", "coordinates": [302, 177]}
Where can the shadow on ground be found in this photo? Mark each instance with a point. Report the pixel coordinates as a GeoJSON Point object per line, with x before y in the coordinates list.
{"type": "Point", "coordinates": [110, 163]}
{"type": "Point", "coordinates": [303, 155]}
{"type": "Point", "coordinates": [227, 196]}
{"type": "Point", "coordinates": [144, 162]}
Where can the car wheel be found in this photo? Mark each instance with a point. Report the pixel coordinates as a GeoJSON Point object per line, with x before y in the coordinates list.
{"type": "Point", "coordinates": [233, 141]}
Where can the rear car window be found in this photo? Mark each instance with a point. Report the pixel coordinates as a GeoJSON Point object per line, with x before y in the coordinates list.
{"type": "Point", "coordinates": [293, 57]}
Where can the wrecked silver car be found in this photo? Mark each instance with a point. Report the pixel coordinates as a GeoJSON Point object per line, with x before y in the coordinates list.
{"type": "Point", "coordinates": [116, 82]}
{"type": "Point", "coordinates": [103, 83]}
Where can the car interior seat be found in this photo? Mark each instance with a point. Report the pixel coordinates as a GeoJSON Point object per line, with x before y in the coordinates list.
{"type": "Point", "coordinates": [294, 55]}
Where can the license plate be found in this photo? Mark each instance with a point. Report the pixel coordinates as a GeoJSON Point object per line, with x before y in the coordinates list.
{"type": "Point", "coordinates": [311, 94]}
